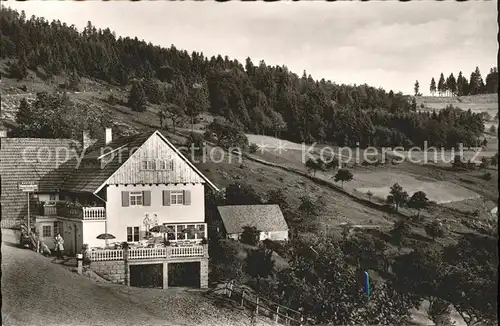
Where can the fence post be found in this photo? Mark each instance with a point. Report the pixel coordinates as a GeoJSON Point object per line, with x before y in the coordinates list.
{"type": "Point", "coordinates": [79, 259]}
{"type": "Point", "coordinates": [277, 314]}
{"type": "Point", "coordinates": [242, 295]}
{"type": "Point", "coordinates": [301, 321]}
{"type": "Point", "coordinates": [257, 306]}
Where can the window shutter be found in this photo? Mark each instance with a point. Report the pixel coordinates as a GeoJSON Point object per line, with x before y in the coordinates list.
{"type": "Point", "coordinates": [187, 197]}
{"type": "Point", "coordinates": [146, 198]}
{"type": "Point", "coordinates": [166, 198]}
{"type": "Point", "coordinates": [125, 199]}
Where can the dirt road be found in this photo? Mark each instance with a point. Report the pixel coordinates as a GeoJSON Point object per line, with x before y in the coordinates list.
{"type": "Point", "coordinates": [36, 291]}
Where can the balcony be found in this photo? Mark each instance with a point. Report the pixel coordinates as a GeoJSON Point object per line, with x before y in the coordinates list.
{"type": "Point", "coordinates": [83, 213]}
{"type": "Point", "coordinates": [166, 253]}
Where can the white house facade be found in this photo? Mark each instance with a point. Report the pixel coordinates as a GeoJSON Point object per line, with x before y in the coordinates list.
{"type": "Point", "coordinates": [123, 188]}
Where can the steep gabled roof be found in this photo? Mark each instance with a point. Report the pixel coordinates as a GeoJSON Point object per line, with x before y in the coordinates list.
{"type": "Point", "coordinates": [265, 218]}
{"type": "Point", "coordinates": [37, 160]}
{"type": "Point", "coordinates": [187, 161]}
{"type": "Point", "coordinates": [58, 166]}
{"type": "Point", "coordinates": [93, 180]}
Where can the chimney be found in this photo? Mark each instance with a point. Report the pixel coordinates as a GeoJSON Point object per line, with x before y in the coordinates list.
{"type": "Point", "coordinates": [109, 136]}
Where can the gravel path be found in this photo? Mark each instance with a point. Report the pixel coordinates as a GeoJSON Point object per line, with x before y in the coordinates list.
{"type": "Point", "coordinates": [36, 291]}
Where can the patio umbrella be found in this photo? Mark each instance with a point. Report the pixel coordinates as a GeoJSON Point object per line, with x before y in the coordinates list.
{"type": "Point", "coordinates": [106, 237]}
{"type": "Point", "coordinates": [160, 229]}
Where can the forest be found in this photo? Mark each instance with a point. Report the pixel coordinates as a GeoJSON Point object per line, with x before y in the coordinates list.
{"type": "Point", "coordinates": [460, 86]}
{"type": "Point", "coordinates": [255, 98]}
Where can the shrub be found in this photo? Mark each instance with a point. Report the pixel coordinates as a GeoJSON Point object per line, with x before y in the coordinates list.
{"type": "Point", "coordinates": [253, 148]}
{"type": "Point", "coordinates": [434, 230]}
{"type": "Point", "coordinates": [487, 176]}
{"type": "Point", "coordinates": [250, 235]}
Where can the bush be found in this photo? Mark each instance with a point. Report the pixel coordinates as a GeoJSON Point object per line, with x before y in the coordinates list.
{"type": "Point", "coordinates": [112, 99]}
{"type": "Point", "coordinates": [195, 141]}
{"type": "Point", "coordinates": [253, 148]}
{"type": "Point", "coordinates": [434, 230]}
{"type": "Point", "coordinates": [250, 236]}
{"type": "Point", "coordinates": [277, 247]}
{"type": "Point", "coordinates": [487, 176]}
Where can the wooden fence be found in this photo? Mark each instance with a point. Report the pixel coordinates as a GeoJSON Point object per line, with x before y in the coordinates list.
{"type": "Point", "coordinates": [261, 306]}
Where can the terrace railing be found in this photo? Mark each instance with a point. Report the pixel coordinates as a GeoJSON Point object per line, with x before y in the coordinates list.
{"type": "Point", "coordinates": [149, 253]}
{"type": "Point", "coordinates": [49, 210]}
{"type": "Point", "coordinates": [189, 251]}
{"type": "Point", "coordinates": [106, 254]}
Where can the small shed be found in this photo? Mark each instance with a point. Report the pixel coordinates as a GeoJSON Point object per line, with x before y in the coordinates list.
{"type": "Point", "coordinates": [268, 219]}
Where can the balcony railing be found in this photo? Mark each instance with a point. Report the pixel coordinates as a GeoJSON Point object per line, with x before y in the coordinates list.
{"type": "Point", "coordinates": [49, 211]}
{"type": "Point", "coordinates": [149, 253]}
{"type": "Point", "coordinates": [85, 213]}
{"type": "Point", "coordinates": [94, 213]}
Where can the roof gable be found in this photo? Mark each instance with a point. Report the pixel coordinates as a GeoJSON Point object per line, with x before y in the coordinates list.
{"type": "Point", "coordinates": [265, 218]}
{"type": "Point", "coordinates": [155, 149]}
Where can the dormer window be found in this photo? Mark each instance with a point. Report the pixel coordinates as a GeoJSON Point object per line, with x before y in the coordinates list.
{"type": "Point", "coordinates": [148, 165]}
{"type": "Point", "coordinates": [166, 165]}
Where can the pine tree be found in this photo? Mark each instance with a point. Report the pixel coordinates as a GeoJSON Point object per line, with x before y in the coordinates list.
{"type": "Point", "coordinates": [441, 85]}
{"type": "Point", "coordinates": [461, 84]}
{"type": "Point", "coordinates": [197, 101]}
{"type": "Point", "coordinates": [416, 88]}
{"type": "Point", "coordinates": [137, 98]}
{"type": "Point", "coordinates": [19, 69]}
{"type": "Point", "coordinates": [452, 84]}
{"type": "Point", "coordinates": [74, 81]}
{"type": "Point", "coordinates": [432, 88]}
{"type": "Point", "coordinates": [476, 82]}
{"type": "Point", "coordinates": [492, 81]}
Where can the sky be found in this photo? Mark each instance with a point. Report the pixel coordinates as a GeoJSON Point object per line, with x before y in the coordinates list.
{"type": "Point", "coordinates": [383, 44]}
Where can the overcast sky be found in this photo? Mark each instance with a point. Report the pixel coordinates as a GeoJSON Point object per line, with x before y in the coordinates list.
{"type": "Point", "coordinates": [388, 44]}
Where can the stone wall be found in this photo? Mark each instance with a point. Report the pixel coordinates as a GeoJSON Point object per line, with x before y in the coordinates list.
{"type": "Point", "coordinates": [204, 273]}
{"type": "Point", "coordinates": [113, 271]}
{"type": "Point", "coordinates": [116, 271]}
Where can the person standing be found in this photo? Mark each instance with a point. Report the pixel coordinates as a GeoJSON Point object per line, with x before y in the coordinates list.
{"type": "Point", "coordinates": [59, 246]}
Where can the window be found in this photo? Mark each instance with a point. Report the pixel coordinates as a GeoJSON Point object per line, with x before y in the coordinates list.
{"type": "Point", "coordinates": [46, 231]}
{"type": "Point", "coordinates": [167, 165]}
{"type": "Point", "coordinates": [190, 232]}
{"type": "Point", "coordinates": [176, 198]}
{"type": "Point", "coordinates": [200, 231]}
{"type": "Point", "coordinates": [181, 232]}
{"type": "Point", "coordinates": [148, 165]}
{"type": "Point", "coordinates": [170, 232]}
{"type": "Point", "coordinates": [136, 198]}
{"type": "Point", "coordinates": [133, 234]}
